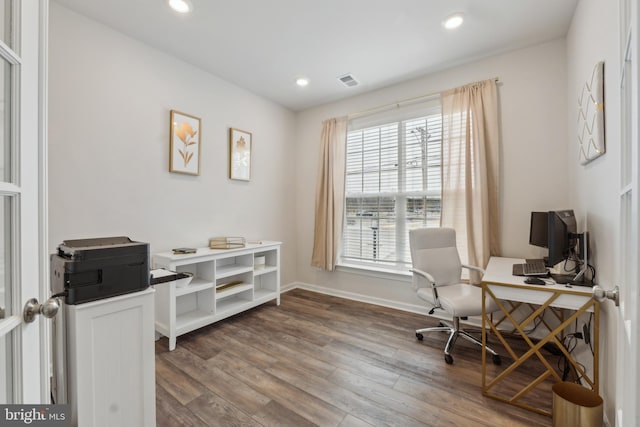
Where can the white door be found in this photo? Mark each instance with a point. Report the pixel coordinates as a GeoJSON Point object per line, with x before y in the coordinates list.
{"type": "Point", "coordinates": [24, 368]}
{"type": "Point", "coordinates": [627, 396]}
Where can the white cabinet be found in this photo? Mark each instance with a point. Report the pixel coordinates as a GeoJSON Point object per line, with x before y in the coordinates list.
{"type": "Point", "coordinates": [225, 282]}
{"type": "Point", "coordinates": [108, 356]}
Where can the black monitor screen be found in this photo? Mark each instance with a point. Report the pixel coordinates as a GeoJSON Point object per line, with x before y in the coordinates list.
{"type": "Point", "coordinates": [562, 235]}
{"type": "Point", "coordinates": [538, 232]}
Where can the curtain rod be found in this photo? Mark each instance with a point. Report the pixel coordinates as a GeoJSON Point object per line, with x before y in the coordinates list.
{"type": "Point", "coordinates": [398, 104]}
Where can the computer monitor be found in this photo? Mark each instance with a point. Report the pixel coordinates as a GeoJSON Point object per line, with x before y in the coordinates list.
{"type": "Point", "coordinates": [562, 235]}
{"type": "Point", "coordinates": [539, 230]}
{"type": "Point", "coordinates": [556, 231]}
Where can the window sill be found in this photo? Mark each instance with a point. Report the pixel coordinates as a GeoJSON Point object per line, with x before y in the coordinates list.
{"type": "Point", "coordinates": [378, 272]}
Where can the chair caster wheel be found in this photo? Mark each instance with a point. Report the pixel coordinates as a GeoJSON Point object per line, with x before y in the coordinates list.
{"type": "Point", "coordinates": [496, 359]}
{"type": "Point", "coordinates": [449, 359]}
{"type": "Point", "coordinates": [419, 336]}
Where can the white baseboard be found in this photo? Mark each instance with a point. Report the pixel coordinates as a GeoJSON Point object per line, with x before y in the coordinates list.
{"type": "Point", "coordinates": [475, 322]}
{"type": "Point", "coordinates": [412, 308]}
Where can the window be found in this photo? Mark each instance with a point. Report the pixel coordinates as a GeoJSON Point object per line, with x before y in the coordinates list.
{"type": "Point", "coordinates": [393, 185]}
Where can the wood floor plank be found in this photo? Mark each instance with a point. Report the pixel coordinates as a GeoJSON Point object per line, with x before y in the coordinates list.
{"type": "Point", "coordinates": [485, 407]}
{"type": "Point", "coordinates": [275, 415]}
{"type": "Point", "coordinates": [315, 325]}
{"type": "Point", "coordinates": [257, 341]}
{"type": "Point", "coordinates": [199, 342]}
{"type": "Point", "coordinates": [353, 402]}
{"type": "Point", "coordinates": [218, 381]}
{"type": "Point", "coordinates": [241, 346]}
{"type": "Point", "coordinates": [435, 411]}
{"type": "Point", "coordinates": [312, 352]}
{"type": "Point", "coordinates": [216, 411]}
{"type": "Point", "coordinates": [170, 412]}
{"type": "Point", "coordinates": [320, 360]}
{"type": "Point", "coordinates": [183, 388]}
{"type": "Point", "coordinates": [288, 326]}
{"type": "Point", "coordinates": [351, 421]}
{"type": "Point", "coordinates": [288, 395]}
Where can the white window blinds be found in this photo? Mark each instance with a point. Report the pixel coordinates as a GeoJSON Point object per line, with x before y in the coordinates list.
{"type": "Point", "coordinates": [393, 183]}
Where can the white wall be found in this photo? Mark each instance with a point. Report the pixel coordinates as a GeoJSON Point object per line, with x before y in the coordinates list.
{"type": "Point", "coordinates": [110, 98]}
{"type": "Point", "coordinates": [594, 187]}
{"type": "Point", "coordinates": [533, 154]}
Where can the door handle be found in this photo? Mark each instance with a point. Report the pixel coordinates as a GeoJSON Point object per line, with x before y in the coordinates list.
{"type": "Point", "coordinates": [602, 295]}
{"type": "Point", "coordinates": [32, 308]}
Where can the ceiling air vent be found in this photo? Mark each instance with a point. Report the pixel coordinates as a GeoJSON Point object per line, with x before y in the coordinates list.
{"type": "Point", "coordinates": [348, 80]}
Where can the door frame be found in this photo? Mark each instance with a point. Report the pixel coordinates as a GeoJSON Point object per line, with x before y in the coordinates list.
{"type": "Point", "coordinates": [43, 198]}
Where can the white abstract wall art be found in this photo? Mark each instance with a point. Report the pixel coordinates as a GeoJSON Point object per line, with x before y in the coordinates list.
{"type": "Point", "coordinates": [591, 116]}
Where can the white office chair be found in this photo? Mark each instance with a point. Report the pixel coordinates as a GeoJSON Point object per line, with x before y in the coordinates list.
{"type": "Point", "coordinates": [437, 272]}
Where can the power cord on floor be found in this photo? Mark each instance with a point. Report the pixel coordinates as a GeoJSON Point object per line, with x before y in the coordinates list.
{"type": "Point", "coordinates": [569, 342]}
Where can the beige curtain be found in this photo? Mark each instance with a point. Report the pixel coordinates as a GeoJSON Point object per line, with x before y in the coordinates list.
{"type": "Point", "coordinates": [470, 140]}
{"type": "Point", "coordinates": [330, 194]}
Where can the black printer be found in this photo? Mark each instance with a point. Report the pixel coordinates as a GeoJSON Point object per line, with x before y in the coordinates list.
{"type": "Point", "coordinates": [86, 270]}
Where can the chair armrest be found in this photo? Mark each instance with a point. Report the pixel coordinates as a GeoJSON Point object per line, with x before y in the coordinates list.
{"type": "Point", "coordinates": [474, 268]}
{"type": "Point", "coordinates": [430, 282]}
{"type": "Point", "coordinates": [424, 274]}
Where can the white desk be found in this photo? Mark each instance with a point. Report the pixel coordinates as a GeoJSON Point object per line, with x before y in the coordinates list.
{"type": "Point", "coordinates": [510, 292]}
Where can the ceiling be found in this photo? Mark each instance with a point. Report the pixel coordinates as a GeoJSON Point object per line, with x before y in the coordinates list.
{"type": "Point", "coordinates": [265, 45]}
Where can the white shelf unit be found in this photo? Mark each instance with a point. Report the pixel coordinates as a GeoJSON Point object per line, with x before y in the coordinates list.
{"type": "Point", "coordinates": [225, 282]}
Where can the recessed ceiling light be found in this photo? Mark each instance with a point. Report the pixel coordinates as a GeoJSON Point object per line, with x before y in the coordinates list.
{"type": "Point", "coordinates": [302, 81]}
{"type": "Point", "coordinates": [454, 21]}
{"type": "Point", "coordinates": [181, 6]}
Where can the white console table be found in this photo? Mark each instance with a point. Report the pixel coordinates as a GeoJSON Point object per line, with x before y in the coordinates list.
{"type": "Point", "coordinates": [510, 292]}
{"type": "Point", "coordinates": [225, 282]}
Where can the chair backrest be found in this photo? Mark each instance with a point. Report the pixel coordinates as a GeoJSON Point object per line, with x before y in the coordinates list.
{"type": "Point", "coordinates": [434, 251]}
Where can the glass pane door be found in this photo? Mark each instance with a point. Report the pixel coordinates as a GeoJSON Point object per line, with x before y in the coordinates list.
{"type": "Point", "coordinates": [6, 146]}
{"type": "Point", "coordinates": [22, 377]}
{"type": "Point", "coordinates": [6, 341]}
{"type": "Point", "coordinates": [6, 11]}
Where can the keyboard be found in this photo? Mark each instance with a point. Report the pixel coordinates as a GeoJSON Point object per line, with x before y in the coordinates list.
{"type": "Point", "coordinates": [532, 267]}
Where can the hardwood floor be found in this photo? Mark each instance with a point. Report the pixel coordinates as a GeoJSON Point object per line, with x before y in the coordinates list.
{"type": "Point", "coordinates": [318, 360]}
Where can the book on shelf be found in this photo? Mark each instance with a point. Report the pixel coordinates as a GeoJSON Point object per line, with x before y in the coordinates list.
{"type": "Point", "coordinates": [184, 250]}
{"type": "Point", "coordinates": [226, 242]}
{"type": "Point", "coordinates": [227, 285]}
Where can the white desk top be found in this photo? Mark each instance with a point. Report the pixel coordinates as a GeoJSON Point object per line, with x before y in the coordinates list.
{"type": "Point", "coordinates": [499, 278]}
